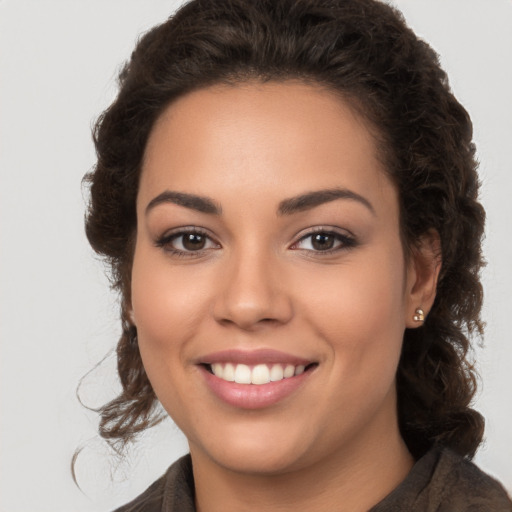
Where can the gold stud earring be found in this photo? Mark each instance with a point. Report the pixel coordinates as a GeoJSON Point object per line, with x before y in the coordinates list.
{"type": "Point", "coordinates": [419, 315]}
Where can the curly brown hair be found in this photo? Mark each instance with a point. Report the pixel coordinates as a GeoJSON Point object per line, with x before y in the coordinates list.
{"type": "Point", "coordinates": [362, 50]}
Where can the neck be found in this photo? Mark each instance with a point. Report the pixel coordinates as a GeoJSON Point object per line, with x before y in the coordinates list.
{"type": "Point", "coordinates": [354, 479]}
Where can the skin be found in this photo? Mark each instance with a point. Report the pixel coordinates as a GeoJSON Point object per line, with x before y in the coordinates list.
{"type": "Point", "coordinates": [259, 282]}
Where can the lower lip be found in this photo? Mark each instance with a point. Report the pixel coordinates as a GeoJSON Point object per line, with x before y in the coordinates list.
{"type": "Point", "coordinates": [253, 396]}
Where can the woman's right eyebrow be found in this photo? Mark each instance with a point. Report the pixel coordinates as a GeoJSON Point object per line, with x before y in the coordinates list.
{"type": "Point", "coordinates": [199, 203]}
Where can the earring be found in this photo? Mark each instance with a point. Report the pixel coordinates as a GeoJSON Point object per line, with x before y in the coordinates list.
{"type": "Point", "coordinates": [419, 315]}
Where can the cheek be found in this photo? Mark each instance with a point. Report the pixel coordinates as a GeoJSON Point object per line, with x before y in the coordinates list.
{"type": "Point", "coordinates": [359, 310]}
{"type": "Point", "coordinates": [168, 308]}
{"type": "Point", "coordinates": [168, 305]}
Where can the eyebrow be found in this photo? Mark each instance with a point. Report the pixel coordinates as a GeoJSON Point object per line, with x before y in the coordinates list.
{"type": "Point", "coordinates": [286, 207]}
{"type": "Point", "coordinates": [312, 199]}
{"type": "Point", "coordinates": [192, 201]}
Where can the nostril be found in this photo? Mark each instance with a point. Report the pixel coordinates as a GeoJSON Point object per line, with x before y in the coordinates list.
{"type": "Point", "coordinates": [248, 322]}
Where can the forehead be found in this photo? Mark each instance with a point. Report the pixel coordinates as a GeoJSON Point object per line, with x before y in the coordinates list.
{"type": "Point", "coordinates": [264, 137]}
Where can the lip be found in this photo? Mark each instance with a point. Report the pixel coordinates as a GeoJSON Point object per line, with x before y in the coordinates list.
{"type": "Point", "coordinates": [251, 396]}
{"type": "Point", "coordinates": [253, 357]}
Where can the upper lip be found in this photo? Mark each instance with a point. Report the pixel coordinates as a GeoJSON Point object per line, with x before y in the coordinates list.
{"type": "Point", "coordinates": [253, 357]}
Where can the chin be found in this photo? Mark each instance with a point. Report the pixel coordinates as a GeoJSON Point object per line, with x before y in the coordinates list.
{"type": "Point", "coordinates": [257, 462]}
{"type": "Point", "coordinates": [259, 451]}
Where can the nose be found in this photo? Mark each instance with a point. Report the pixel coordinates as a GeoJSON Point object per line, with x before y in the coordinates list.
{"type": "Point", "coordinates": [253, 292]}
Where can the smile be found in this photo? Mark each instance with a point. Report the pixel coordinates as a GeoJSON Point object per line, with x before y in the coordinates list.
{"type": "Point", "coordinates": [254, 379]}
{"type": "Point", "coordinates": [258, 374]}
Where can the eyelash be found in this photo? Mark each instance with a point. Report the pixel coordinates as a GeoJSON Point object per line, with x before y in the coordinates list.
{"type": "Point", "coordinates": [165, 242]}
{"type": "Point", "coordinates": [345, 241]}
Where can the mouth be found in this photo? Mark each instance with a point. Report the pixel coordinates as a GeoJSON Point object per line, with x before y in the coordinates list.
{"type": "Point", "coordinates": [255, 379]}
{"type": "Point", "coordinates": [257, 374]}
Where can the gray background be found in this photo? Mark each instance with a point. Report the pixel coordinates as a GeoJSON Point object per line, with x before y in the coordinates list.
{"type": "Point", "coordinates": [58, 61]}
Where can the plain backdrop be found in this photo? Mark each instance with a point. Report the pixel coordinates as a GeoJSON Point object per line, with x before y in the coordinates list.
{"type": "Point", "coordinates": [58, 62]}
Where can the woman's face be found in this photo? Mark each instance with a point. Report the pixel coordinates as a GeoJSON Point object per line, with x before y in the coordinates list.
{"type": "Point", "coordinates": [268, 245]}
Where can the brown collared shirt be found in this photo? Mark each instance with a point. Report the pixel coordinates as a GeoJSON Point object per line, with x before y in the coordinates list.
{"type": "Point", "coordinates": [440, 481]}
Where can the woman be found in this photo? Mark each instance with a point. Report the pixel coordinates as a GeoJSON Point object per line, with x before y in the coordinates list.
{"type": "Point", "coordinates": [286, 192]}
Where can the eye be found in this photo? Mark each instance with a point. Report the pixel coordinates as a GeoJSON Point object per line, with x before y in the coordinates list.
{"type": "Point", "coordinates": [186, 242]}
{"type": "Point", "coordinates": [324, 241]}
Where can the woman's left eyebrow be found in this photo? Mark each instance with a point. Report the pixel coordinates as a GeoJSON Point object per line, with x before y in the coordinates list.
{"type": "Point", "coordinates": [316, 198]}
{"type": "Point", "coordinates": [200, 203]}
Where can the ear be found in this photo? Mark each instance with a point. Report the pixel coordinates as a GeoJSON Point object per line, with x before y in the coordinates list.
{"type": "Point", "coordinates": [423, 270]}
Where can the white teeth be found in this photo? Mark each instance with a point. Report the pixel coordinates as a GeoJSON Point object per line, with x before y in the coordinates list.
{"type": "Point", "coordinates": [276, 373]}
{"type": "Point", "coordinates": [289, 371]}
{"type": "Point", "coordinates": [259, 374]}
{"type": "Point", "coordinates": [229, 373]}
{"type": "Point", "coordinates": [217, 370]}
{"type": "Point", "coordinates": [242, 374]}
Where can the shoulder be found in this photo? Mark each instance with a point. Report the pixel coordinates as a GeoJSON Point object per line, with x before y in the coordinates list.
{"type": "Point", "coordinates": [173, 492]}
{"type": "Point", "coordinates": [442, 481]}
{"type": "Point", "coordinates": [463, 486]}
{"type": "Point", "coordinates": [149, 501]}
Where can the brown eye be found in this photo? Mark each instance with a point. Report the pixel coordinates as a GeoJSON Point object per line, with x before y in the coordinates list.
{"type": "Point", "coordinates": [186, 242]}
{"type": "Point", "coordinates": [193, 241]}
{"type": "Point", "coordinates": [323, 241]}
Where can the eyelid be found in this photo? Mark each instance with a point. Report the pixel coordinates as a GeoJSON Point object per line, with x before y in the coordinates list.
{"type": "Point", "coordinates": [165, 240]}
{"type": "Point", "coordinates": [348, 240]}
{"type": "Point", "coordinates": [335, 230]}
{"type": "Point", "coordinates": [345, 239]}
